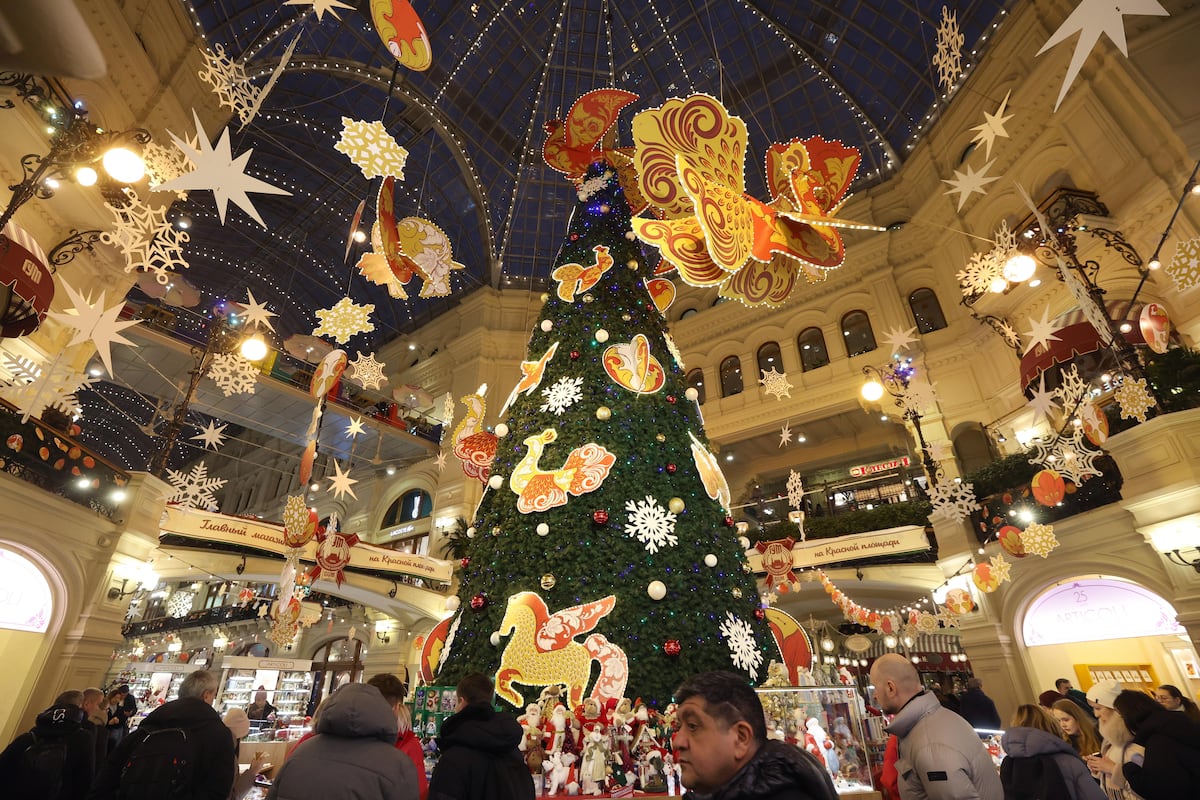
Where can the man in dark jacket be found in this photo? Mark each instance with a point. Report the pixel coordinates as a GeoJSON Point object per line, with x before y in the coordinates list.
{"type": "Point", "coordinates": [1064, 688]}
{"type": "Point", "coordinates": [977, 708]}
{"type": "Point", "coordinates": [201, 749]}
{"type": "Point", "coordinates": [95, 720]}
{"type": "Point", "coordinates": [1170, 766]}
{"type": "Point", "coordinates": [352, 756]}
{"type": "Point", "coordinates": [723, 751]}
{"type": "Point", "coordinates": [54, 761]}
{"type": "Point", "coordinates": [480, 760]}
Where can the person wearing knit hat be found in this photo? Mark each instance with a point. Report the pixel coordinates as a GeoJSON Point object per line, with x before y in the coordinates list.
{"type": "Point", "coordinates": [1118, 747]}
{"type": "Point", "coordinates": [1103, 693]}
{"type": "Point", "coordinates": [239, 727]}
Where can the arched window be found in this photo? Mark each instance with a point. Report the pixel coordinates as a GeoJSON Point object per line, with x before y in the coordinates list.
{"type": "Point", "coordinates": [769, 358]}
{"type": "Point", "coordinates": [695, 380]}
{"type": "Point", "coordinates": [413, 504]}
{"type": "Point", "coordinates": [731, 376]}
{"type": "Point", "coordinates": [857, 333]}
{"type": "Point", "coordinates": [926, 310]}
{"type": "Point", "coordinates": [813, 354]}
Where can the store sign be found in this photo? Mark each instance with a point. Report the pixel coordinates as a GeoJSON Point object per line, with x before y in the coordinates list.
{"type": "Point", "coordinates": [882, 466]}
{"type": "Point", "coordinates": [25, 600]}
{"type": "Point", "coordinates": [890, 542]}
{"type": "Point", "coordinates": [188, 527]}
{"type": "Point", "coordinates": [1098, 609]}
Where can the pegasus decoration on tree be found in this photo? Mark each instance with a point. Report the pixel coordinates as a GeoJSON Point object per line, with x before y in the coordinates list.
{"type": "Point", "coordinates": [689, 158]}
{"type": "Point", "coordinates": [542, 650]}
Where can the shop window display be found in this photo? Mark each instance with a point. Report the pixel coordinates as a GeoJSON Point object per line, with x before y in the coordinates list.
{"type": "Point", "coordinates": [829, 723]}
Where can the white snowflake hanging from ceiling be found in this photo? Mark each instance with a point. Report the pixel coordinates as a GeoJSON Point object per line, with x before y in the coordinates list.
{"type": "Point", "coordinates": [1184, 268]}
{"type": "Point", "coordinates": [1072, 391]}
{"type": "Point", "coordinates": [194, 489]}
{"type": "Point", "coordinates": [1133, 396]}
{"type": "Point", "coordinates": [146, 238]}
{"type": "Point", "coordinates": [775, 383]}
{"type": "Point", "coordinates": [179, 604]}
{"type": "Point", "coordinates": [1067, 454]}
{"type": "Point", "coordinates": [562, 394]}
{"type": "Point", "coordinates": [743, 647]}
{"type": "Point", "coordinates": [919, 397]}
{"type": "Point", "coordinates": [33, 389]}
{"type": "Point", "coordinates": [650, 524]}
{"type": "Point", "coordinates": [978, 275]}
{"type": "Point", "coordinates": [795, 489]}
{"type": "Point", "coordinates": [368, 372]}
{"type": "Point", "coordinates": [1001, 568]}
{"type": "Point", "coordinates": [344, 320]}
{"type": "Point", "coordinates": [1038, 539]}
{"type": "Point", "coordinates": [229, 81]}
{"type": "Point", "coordinates": [371, 148]}
{"type": "Point", "coordinates": [164, 164]}
{"type": "Point", "coordinates": [953, 500]}
{"type": "Point", "coordinates": [948, 58]}
{"type": "Point", "coordinates": [233, 374]}
{"type": "Point", "coordinates": [1091, 309]}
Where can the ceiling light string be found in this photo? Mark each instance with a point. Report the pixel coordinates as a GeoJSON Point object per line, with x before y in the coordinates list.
{"type": "Point", "coordinates": [479, 38]}
{"type": "Point", "coordinates": [712, 38]}
{"type": "Point", "coordinates": [670, 42]}
{"type": "Point", "coordinates": [270, 36]}
{"type": "Point", "coordinates": [606, 13]}
{"type": "Point", "coordinates": [525, 147]}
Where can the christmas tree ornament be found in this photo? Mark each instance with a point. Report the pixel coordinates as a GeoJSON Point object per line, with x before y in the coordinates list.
{"type": "Point", "coordinates": [676, 505]}
{"type": "Point", "coordinates": [671, 469]}
{"type": "Point", "coordinates": [657, 590]}
{"type": "Point", "coordinates": [603, 413]}
{"type": "Point", "coordinates": [587, 298]}
{"type": "Point", "coordinates": [495, 638]}
{"type": "Point", "coordinates": [672, 648]}
{"type": "Point", "coordinates": [743, 647]}
{"type": "Point", "coordinates": [470, 533]}
{"type": "Point", "coordinates": [736, 592]}
{"type": "Point", "coordinates": [1049, 488]}
{"type": "Point", "coordinates": [691, 394]}
{"type": "Point", "coordinates": [575, 278]}
{"type": "Point", "coordinates": [632, 366]}
{"type": "Point", "coordinates": [546, 325]}
{"type": "Point", "coordinates": [711, 476]}
{"type": "Point", "coordinates": [710, 560]}
{"type": "Point", "coordinates": [543, 529]}
{"type": "Point", "coordinates": [947, 58]}
{"type": "Point", "coordinates": [601, 336]}
{"type": "Point", "coordinates": [671, 399]}
{"type": "Point", "coordinates": [574, 355]}
{"type": "Point", "coordinates": [1010, 540]}
{"type": "Point", "coordinates": [651, 524]}
{"type": "Point", "coordinates": [532, 373]}
{"type": "Point", "coordinates": [600, 517]}
{"type": "Point", "coordinates": [452, 603]}
{"type": "Point", "coordinates": [729, 524]}
{"type": "Point", "coordinates": [479, 602]}
{"type": "Point", "coordinates": [496, 481]}
{"type": "Point", "coordinates": [662, 292]}
{"type": "Point", "coordinates": [465, 562]}
{"type": "Point", "coordinates": [501, 430]}
{"type": "Point", "coordinates": [562, 394]}
{"type": "Point", "coordinates": [547, 582]}
{"type": "Point", "coordinates": [760, 613]}
{"type": "Point", "coordinates": [371, 148]}
{"type": "Point", "coordinates": [658, 437]}
{"type": "Point", "coordinates": [402, 33]}
{"type": "Point", "coordinates": [583, 471]}
{"type": "Point", "coordinates": [475, 447]}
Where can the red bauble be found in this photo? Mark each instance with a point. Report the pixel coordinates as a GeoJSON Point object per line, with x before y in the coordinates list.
{"type": "Point", "coordinates": [600, 516]}
{"type": "Point", "coordinates": [671, 398]}
{"type": "Point", "coordinates": [760, 614]}
{"type": "Point", "coordinates": [574, 355]}
{"type": "Point", "coordinates": [672, 647]}
{"type": "Point", "coordinates": [479, 602]}
{"type": "Point", "coordinates": [466, 562]}
{"type": "Point", "coordinates": [671, 469]}
{"type": "Point", "coordinates": [729, 522]}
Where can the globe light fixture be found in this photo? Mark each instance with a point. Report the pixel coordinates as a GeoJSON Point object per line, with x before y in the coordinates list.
{"type": "Point", "coordinates": [872, 390]}
{"type": "Point", "coordinates": [254, 348]}
{"type": "Point", "coordinates": [1019, 268]}
{"type": "Point", "coordinates": [123, 164]}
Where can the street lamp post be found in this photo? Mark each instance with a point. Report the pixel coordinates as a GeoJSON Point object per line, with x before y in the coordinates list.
{"type": "Point", "coordinates": [894, 379]}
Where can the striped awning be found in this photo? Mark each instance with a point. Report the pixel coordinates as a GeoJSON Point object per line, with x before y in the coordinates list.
{"type": "Point", "coordinates": [1077, 337]}
{"type": "Point", "coordinates": [924, 643]}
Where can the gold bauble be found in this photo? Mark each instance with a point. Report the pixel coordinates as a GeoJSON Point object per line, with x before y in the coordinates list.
{"type": "Point", "coordinates": [587, 298]}
{"type": "Point", "coordinates": [545, 296]}
{"type": "Point", "coordinates": [603, 413]}
{"type": "Point", "coordinates": [632, 263]}
{"type": "Point", "coordinates": [658, 437]}
{"type": "Point", "coordinates": [746, 568]}
{"type": "Point", "coordinates": [548, 581]}
{"type": "Point", "coordinates": [676, 505]}
{"type": "Point", "coordinates": [626, 317]}
{"type": "Point", "coordinates": [737, 593]}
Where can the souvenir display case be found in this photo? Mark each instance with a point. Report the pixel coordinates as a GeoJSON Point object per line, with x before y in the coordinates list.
{"type": "Point", "coordinates": [151, 685]}
{"type": "Point", "coordinates": [828, 721]}
{"type": "Point", "coordinates": [431, 706]}
{"type": "Point", "coordinates": [287, 682]}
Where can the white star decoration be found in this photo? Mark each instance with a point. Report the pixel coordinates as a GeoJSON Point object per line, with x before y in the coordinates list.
{"type": "Point", "coordinates": [341, 482]}
{"type": "Point", "coordinates": [355, 427]}
{"type": "Point", "coordinates": [785, 435]}
{"type": "Point", "coordinates": [212, 436]}
{"type": "Point", "coordinates": [256, 313]}
{"type": "Point", "coordinates": [344, 320]}
{"type": "Point", "coordinates": [367, 371]}
{"type": "Point", "coordinates": [1041, 332]}
{"type": "Point", "coordinates": [1090, 19]}
{"type": "Point", "coordinates": [964, 184]}
{"type": "Point", "coordinates": [216, 170]}
{"type": "Point", "coordinates": [94, 322]}
{"type": "Point", "coordinates": [321, 6]}
{"type": "Point", "coordinates": [775, 383]}
{"type": "Point", "coordinates": [1042, 402]}
{"type": "Point", "coordinates": [992, 127]}
{"type": "Point", "coordinates": [898, 340]}
{"type": "Point", "coordinates": [371, 148]}
{"type": "Point", "coordinates": [440, 461]}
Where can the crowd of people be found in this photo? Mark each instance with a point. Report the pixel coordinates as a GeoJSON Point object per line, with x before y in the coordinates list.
{"type": "Point", "coordinates": [1110, 744]}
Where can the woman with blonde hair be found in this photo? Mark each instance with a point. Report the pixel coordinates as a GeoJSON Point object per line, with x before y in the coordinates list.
{"type": "Point", "coordinates": [1041, 763]}
{"type": "Point", "coordinates": [1077, 727]}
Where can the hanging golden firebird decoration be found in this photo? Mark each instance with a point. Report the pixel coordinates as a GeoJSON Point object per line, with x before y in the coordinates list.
{"type": "Point", "coordinates": [689, 156]}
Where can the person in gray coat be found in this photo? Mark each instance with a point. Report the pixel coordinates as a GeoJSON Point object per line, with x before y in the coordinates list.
{"type": "Point", "coordinates": [941, 757]}
{"type": "Point", "coordinates": [353, 755]}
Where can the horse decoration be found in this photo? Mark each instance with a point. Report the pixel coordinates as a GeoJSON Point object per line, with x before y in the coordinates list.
{"type": "Point", "coordinates": [542, 650]}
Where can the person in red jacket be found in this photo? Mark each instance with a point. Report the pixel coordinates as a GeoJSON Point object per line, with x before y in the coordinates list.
{"type": "Point", "coordinates": [394, 691]}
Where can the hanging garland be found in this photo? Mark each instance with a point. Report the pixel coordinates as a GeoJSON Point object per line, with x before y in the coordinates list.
{"type": "Point", "coordinates": [909, 621]}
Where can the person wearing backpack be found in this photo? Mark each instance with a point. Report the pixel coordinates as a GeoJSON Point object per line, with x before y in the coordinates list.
{"type": "Point", "coordinates": [182, 750]}
{"type": "Point", "coordinates": [1040, 764]}
{"type": "Point", "coordinates": [54, 760]}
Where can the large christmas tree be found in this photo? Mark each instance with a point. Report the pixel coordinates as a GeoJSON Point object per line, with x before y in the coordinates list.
{"type": "Point", "coordinates": [602, 555]}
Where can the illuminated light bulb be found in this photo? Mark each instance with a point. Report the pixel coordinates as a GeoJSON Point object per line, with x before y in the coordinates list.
{"type": "Point", "coordinates": [254, 348]}
{"type": "Point", "coordinates": [360, 237]}
{"type": "Point", "coordinates": [998, 285]}
{"type": "Point", "coordinates": [1126, 327]}
{"type": "Point", "coordinates": [86, 176]}
{"type": "Point", "coordinates": [1019, 268]}
{"type": "Point", "coordinates": [872, 390]}
{"type": "Point", "coordinates": [827, 644]}
{"type": "Point", "coordinates": [124, 165]}
{"type": "Point", "coordinates": [1154, 263]}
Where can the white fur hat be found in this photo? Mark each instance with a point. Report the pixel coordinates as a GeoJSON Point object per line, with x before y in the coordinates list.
{"type": "Point", "coordinates": [1104, 693]}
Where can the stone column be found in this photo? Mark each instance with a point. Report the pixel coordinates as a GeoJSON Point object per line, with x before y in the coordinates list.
{"type": "Point", "coordinates": [995, 661]}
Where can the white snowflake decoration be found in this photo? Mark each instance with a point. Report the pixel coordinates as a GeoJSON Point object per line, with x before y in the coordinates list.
{"type": "Point", "coordinates": [651, 524]}
{"type": "Point", "coordinates": [1072, 391]}
{"type": "Point", "coordinates": [371, 148]}
{"type": "Point", "coordinates": [775, 383]}
{"type": "Point", "coordinates": [1038, 539]}
{"type": "Point", "coordinates": [1184, 268]}
{"type": "Point", "coordinates": [1066, 454]}
{"type": "Point", "coordinates": [230, 82]}
{"type": "Point", "coordinates": [953, 500]}
{"type": "Point", "coordinates": [1001, 568]}
{"type": "Point", "coordinates": [146, 238]}
{"type": "Point", "coordinates": [977, 277]}
{"type": "Point", "coordinates": [795, 489]}
{"type": "Point", "coordinates": [743, 648]}
{"type": "Point", "coordinates": [593, 185]}
{"type": "Point", "coordinates": [194, 489]}
{"type": "Point", "coordinates": [367, 371]}
{"type": "Point", "coordinates": [564, 393]}
{"type": "Point", "coordinates": [918, 398]}
{"type": "Point", "coordinates": [344, 320]}
{"type": "Point", "coordinates": [939, 450]}
{"type": "Point", "coordinates": [948, 58]}
{"type": "Point", "coordinates": [164, 164]}
{"type": "Point", "coordinates": [1133, 396]}
{"type": "Point", "coordinates": [33, 389]}
{"type": "Point", "coordinates": [179, 604]}
{"type": "Point", "coordinates": [233, 374]}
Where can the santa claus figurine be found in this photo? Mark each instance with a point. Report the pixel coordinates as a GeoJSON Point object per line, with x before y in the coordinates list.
{"type": "Point", "coordinates": [555, 730]}
{"type": "Point", "coordinates": [814, 739]}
